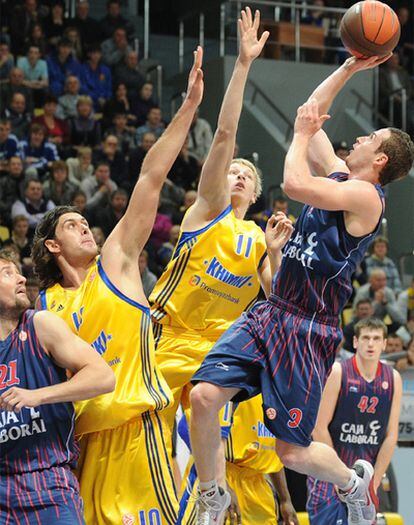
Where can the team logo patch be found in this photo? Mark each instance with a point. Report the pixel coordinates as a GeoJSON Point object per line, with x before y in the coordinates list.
{"type": "Point", "coordinates": [194, 281]}
{"type": "Point", "coordinates": [128, 519]}
{"type": "Point", "coordinates": [223, 366]}
{"type": "Point", "coordinates": [385, 385]}
{"type": "Point", "coordinates": [23, 335]}
{"type": "Point", "coordinates": [271, 413]}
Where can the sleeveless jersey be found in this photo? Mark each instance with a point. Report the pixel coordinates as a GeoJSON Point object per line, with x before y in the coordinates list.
{"type": "Point", "coordinates": [212, 276]}
{"type": "Point", "coordinates": [360, 422]}
{"type": "Point", "coordinates": [120, 330]}
{"type": "Point", "coordinates": [35, 438]}
{"type": "Point", "coordinates": [320, 258]}
{"type": "Point", "coordinates": [249, 443]}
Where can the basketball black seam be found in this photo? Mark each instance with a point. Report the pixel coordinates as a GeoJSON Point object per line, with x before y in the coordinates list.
{"type": "Point", "coordinates": [380, 27]}
{"type": "Point", "coordinates": [351, 37]}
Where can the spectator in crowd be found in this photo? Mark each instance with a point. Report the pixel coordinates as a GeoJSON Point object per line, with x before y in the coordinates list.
{"type": "Point", "coordinates": [16, 85]}
{"type": "Point", "coordinates": [11, 188]}
{"type": "Point", "coordinates": [341, 149]}
{"type": "Point", "coordinates": [314, 17]}
{"type": "Point", "coordinates": [109, 153]}
{"type": "Point", "coordinates": [393, 77]}
{"type": "Point", "coordinates": [137, 156]}
{"type": "Point", "coordinates": [57, 187]}
{"type": "Point", "coordinates": [406, 42]}
{"type": "Point", "coordinates": [99, 186]}
{"type": "Point", "coordinates": [55, 23]}
{"type": "Point", "coordinates": [118, 104]}
{"type": "Point", "coordinates": [121, 131]}
{"type": "Point", "coordinates": [129, 73]}
{"type": "Point", "coordinates": [20, 238]}
{"type": "Point", "coordinates": [37, 153]}
{"type": "Point", "coordinates": [410, 353]}
{"type": "Point", "coordinates": [395, 345]}
{"type": "Point", "coordinates": [33, 206]}
{"type": "Point", "coordinates": [23, 17]}
{"type": "Point", "coordinates": [114, 20]}
{"type": "Point", "coordinates": [107, 218]}
{"type": "Point", "coordinates": [73, 35]}
{"type": "Point", "coordinates": [62, 65]}
{"type": "Point", "coordinates": [379, 259]}
{"type": "Point", "coordinates": [171, 198]}
{"type": "Point", "coordinates": [79, 200]}
{"type": "Point", "coordinates": [57, 129]}
{"type": "Point", "coordinates": [98, 236]}
{"type": "Point", "coordinates": [405, 302]}
{"type": "Point", "coordinates": [38, 38]}
{"type": "Point", "coordinates": [166, 250]}
{"type": "Point", "coordinates": [81, 166]}
{"type": "Point", "coordinates": [84, 129]}
{"type": "Point", "coordinates": [97, 78]}
{"type": "Point", "coordinates": [8, 145]}
{"type": "Point", "coordinates": [160, 231]}
{"type": "Point", "coordinates": [6, 61]}
{"type": "Point", "coordinates": [148, 279]}
{"type": "Point", "coordinates": [363, 310]}
{"type": "Point", "coordinates": [200, 138]}
{"type": "Point", "coordinates": [68, 102]}
{"type": "Point", "coordinates": [189, 199]}
{"type": "Point", "coordinates": [115, 48]}
{"type": "Point", "coordinates": [185, 170]}
{"type": "Point", "coordinates": [280, 203]}
{"type": "Point", "coordinates": [35, 73]}
{"type": "Point", "coordinates": [87, 26]}
{"type": "Point", "coordinates": [154, 124]}
{"type": "Point", "coordinates": [17, 115]}
{"type": "Point", "coordinates": [382, 297]}
{"type": "Point", "coordinates": [142, 102]}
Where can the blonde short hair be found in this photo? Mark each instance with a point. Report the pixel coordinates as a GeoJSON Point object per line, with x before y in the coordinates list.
{"type": "Point", "coordinates": [254, 170]}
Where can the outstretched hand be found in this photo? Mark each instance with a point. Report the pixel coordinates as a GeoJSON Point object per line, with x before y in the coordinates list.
{"type": "Point", "coordinates": [279, 228]}
{"type": "Point", "coordinates": [354, 64]}
{"type": "Point", "coordinates": [308, 121]}
{"type": "Point", "coordinates": [195, 87]}
{"type": "Point", "coordinates": [250, 46]}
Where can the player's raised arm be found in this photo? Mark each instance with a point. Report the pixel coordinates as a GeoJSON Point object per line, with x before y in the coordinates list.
{"type": "Point", "coordinates": [91, 375]}
{"type": "Point", "coordinates": [213, 191]}
{"type": "Point", "coordinates": [132, 231]}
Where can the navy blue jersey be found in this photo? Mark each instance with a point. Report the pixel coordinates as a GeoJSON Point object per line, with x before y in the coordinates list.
{"type": "Point", "coordinates": [36, 438]}
{"type": "Point", "coordinates": [319, 260]}
{"type": "Point", "coordinates": [360, 421]}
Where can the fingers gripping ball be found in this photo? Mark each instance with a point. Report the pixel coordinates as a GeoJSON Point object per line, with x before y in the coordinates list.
{"type": "Point", "coordinates": [370, 28]}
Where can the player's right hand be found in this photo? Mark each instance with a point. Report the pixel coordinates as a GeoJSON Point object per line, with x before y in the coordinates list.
{"type": "Point", "coordinates": [354, 64]}
{"type": "Point", "coordinates": [250, 45]}
{"type": "Point", "coordinates": [308, 121]}
{"type": "Point", "coordinates": [14, 399]}
{"type": "Point", "coordinates": [195, 87]}
{"type": "Point", "coordinates": [233, 514]}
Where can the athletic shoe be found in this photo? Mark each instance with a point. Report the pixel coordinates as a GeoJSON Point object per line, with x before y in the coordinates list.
{"type": "Point", "coordinates": [212, 505]}
{"type": "Point", "coordinates": [361, 500]}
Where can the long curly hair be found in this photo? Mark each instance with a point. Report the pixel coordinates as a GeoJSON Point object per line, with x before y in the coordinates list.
{"type": "Point", "coordinates": [45, 266]}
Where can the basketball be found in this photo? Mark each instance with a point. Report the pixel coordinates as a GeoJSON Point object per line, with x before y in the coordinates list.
{"type": "Point", "coordinates": [370, 28]}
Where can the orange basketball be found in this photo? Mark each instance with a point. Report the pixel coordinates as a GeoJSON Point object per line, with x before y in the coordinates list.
{"type": "Point", "coordinates": [370, 28]}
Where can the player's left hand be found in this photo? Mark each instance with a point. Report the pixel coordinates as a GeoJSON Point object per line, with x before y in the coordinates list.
{"type": "Point", "coordinates": [14, 399]}
{"type": "Point", "coordinates": [278, 231]}
{"type": "Point", "coordinates": [195, 87]}
{"type": "Point", "coordinates": [288, 513]}
{"type": "Point", "coordinates": [250, 46]}
{"type": "Point", "coordinates": [233, 514]}
{"type": "Point", "coordinates": [308, 121]}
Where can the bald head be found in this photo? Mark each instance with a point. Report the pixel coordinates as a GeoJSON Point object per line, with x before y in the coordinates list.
{"type": "Point", "coordinates": [377, 279]}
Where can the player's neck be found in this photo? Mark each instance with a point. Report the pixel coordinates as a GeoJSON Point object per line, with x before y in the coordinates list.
{"type": "Point", "coordinates": [74, 275]}
{"type": "Point", "coordinates": [363, 173]}
{"type": "Point", "coordinates": [368, 369]}
{"type": "Point", "coordinates": [240, 210]}
{"type": "Point", "coordinates": [7, 325]}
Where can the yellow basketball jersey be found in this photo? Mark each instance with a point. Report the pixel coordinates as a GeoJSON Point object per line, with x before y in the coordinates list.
{"type": "Point", "coordinates": [120, 330]}
{"type": "Point", "coordinates": [212, 276]}
{"type": "Point", "coordinates": [250, 444]}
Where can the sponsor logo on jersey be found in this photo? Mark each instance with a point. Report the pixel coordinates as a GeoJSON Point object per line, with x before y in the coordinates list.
{"type": "Point", "coordinates": [128, 519]}
{"type": "Point", "coordinates": [359, 434]}
{"type": "Point", "coordinates": [12, 428]}
{"type": "Point", "coordinates": [196, 281]}
{"type": "Point", "coordinates": [302, 249]}
{"type": "Point", "coordinates": [222, 366]}
{"type": "Point", "coordinates": [22, 335]}
{"type": "Point", "coordinates": [262, 430]}
{"type": "Point", "coordinates": [216, 270]}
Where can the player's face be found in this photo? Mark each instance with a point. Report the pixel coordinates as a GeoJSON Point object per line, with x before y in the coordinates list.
{"type": "Point", "coordinates": [366, 151]}
{"type": "Point", "coordinates": [370, 344]}
{"type": "Point", "coordinates": [12, 289]}
{"type": "Point", "coordinates": [242, 183]}
{"type": "Point", "coordinates": [73, 239]}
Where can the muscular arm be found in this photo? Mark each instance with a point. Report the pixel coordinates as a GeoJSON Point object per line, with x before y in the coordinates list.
{"type": "Point", "coordinates": [91, 375]}
{"type": "Point", "coordinates": [328, 405]}
{"type": "Point", "coordinates": [387, 448]}
{"type": "Point", "coordinates": [213, 191]}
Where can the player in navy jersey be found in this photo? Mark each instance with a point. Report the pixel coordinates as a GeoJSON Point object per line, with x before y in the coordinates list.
{"type": "Point", "coordinates": [37, 446]}
{"type": "Point", "coordinates": [285, 347]}
{"type": "Point", "coordinates": [358, 417]}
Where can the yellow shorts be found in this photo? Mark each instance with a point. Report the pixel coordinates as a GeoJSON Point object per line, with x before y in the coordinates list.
{"type": "Point", "coordinates": [179, 355]}
{"type": "Point", "coordinates": [254, 495]}
{"type": "Point", "coordinates": [125, 476]}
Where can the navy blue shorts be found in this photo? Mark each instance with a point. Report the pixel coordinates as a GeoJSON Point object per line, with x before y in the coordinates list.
{"type": "Point", "coordinates": [277, 350]}
{"type": "Point", "coordinates": [46, 497]}
{"type": "Point", "coordinates": [323, 505]}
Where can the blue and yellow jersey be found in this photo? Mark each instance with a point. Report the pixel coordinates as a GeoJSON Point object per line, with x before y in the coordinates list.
{"type": "Point", "coordinates": [249, 443]}
{"type": "Point", "coordinates": [120, 330]}
{"type": "Point", "coordinates": [212, 276]}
